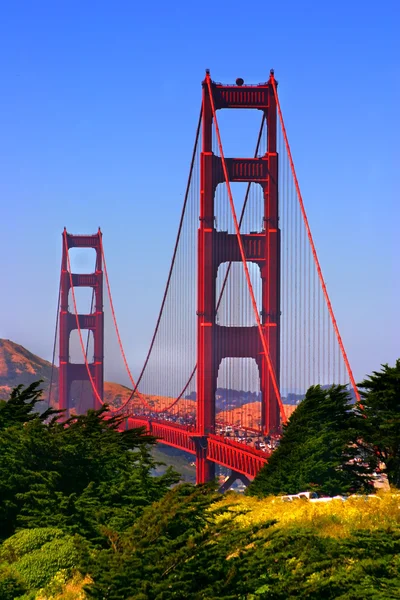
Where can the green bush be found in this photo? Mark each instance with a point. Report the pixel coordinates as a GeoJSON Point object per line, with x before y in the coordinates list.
{"type": "Point", "coordinates": [26, 541]}
{"type": "Point", "coordinates": [11, 583]}
{"type": "Point", "coordinates": [38, 567]}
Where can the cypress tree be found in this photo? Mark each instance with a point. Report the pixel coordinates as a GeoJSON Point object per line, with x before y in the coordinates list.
{"type": "Point", "coordinates": [320, 449]}
{"type": "Point", "coordinates": [381, 406]}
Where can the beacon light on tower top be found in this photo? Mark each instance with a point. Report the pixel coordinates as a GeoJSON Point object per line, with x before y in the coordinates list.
{"type": "Point", "coordinates": [239, 81]}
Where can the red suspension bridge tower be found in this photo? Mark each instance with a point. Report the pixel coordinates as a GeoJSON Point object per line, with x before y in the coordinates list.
{"type": "Point", "coordinates": [215, 342]}
{"type": "Point", "coordinates": [231, 320]}
{"type": "Point", "coordinates": [70, 372]}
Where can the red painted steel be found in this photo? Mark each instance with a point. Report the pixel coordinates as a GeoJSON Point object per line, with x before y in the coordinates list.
{"type": "Point", "coordinates": [264, 249]}
{"type": "Point", "coordinates": [217, 449]}
{"type": "Point", "coordinates": [235, 456]}
{"type": "Point", "coordinates": [263, 337]}
{"type": "Point", "coordinates": [69, 372]}
{"type": "Point", "coordinates": [214, 342]}
{"type": "Point", "coordinates": [206, 301]}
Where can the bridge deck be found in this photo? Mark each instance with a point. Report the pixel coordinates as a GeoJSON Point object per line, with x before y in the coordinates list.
{"type": "Point", "coordinates": [221, 450]}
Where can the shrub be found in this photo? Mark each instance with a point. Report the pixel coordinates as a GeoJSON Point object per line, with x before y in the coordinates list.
{"type": "Point", "coordinates": [26, 541]}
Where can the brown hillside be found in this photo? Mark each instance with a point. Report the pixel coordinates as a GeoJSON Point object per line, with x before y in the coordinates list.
{"type": "Point", "coordinates": [248, 415]}
{"type": "Point", "coordinates": [19, 366]}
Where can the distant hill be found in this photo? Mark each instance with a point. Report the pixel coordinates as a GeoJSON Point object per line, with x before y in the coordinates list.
{"type": "Point", "coordinates": [20, 366]}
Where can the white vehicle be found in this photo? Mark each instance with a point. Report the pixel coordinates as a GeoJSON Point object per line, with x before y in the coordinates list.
{"type": "Point", "coordinates": [328, 499]}
{"type": "Point", "coordinates": [300, 496]}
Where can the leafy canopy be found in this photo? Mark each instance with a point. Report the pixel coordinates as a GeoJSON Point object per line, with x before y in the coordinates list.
{"type": "Point", "coordinates": [320, 449]}
{"type": "Point", "coordinates": [381, 426]}
{"type": "Point", "coordinates": [85, 474]}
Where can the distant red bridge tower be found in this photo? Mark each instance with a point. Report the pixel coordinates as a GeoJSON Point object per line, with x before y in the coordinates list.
{"type": "Point", "coordinates": [215, 342]}
{"type": "Point", "coordinates": [94, 371]}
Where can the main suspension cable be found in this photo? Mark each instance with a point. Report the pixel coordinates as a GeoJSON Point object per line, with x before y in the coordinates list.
{"type": "Point", "coordinates": [98, 398]}
{"type": "Point", "coordinates": [167, 288]}
{"type": "Point", "coordinates": [88, 337]}
{"type": "Point", "coordinates": [114, 315]}
{"type": "Point", "coordinates": [311, 240]}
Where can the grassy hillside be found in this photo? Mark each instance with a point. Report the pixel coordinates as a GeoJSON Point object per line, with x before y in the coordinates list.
{"type": "Point", "coordinates": [336, 518]}
{"type": "Point", "coordinates": [181, 461]}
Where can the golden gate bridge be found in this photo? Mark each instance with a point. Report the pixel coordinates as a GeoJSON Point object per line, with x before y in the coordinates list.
{"type": "Point", "coordinates": [245, 308]}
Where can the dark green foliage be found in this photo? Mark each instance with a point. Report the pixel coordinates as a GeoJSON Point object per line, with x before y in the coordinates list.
{"type": "Point", "coordinates": [381, 407]}
{"type": "Point", "coordinates": [38, 554]}
{"type": "Point", "coordinates": [320, 449]}
{"type": "Point", "coordinates": [11, 584]}
{"type": "Point", "coordinates": [26, 541]}
{"type": "Point", "coordinates": [85, 491]}
{"type": "Point", "coordinates": [177, 551]}
{"type": "Point", "coordinates": [19, 409]}
{"type": "Point", "coordinates": [168, 534]}
{"type": "Point", "coordinates": [82, 475]}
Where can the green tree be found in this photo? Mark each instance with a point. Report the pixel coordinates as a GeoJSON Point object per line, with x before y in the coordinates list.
{"type": "Point", "coordinates": [178, 550]}
{"type": "Point", "coordinates": [381, 408]}
{"type": "Point", "coordinates": [320, 449]}
{"type": "Point", "coordinates": [20, 408]}
{"type": "Point", "coordinates": [86, 475]}
{"type": "Point", "coordinates": [152, 553]}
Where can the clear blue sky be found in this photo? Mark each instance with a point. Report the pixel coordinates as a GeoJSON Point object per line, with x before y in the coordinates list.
{"type": "Point", "coordinates": [98, 107]}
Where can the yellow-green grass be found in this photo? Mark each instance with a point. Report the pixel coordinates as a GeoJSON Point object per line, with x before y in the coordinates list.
{"type": "Point", "coordinates": [336, 518]}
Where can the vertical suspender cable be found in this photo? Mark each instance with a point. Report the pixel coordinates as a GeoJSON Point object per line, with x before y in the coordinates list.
{"type": "Point", "coordinates": [314, 325]}
{"type": "Point", "coordinates": [55, 343]}
{"type": "Point", "coordinates": [87, 341]}
{"type": "Point", "coordinates": [292, 288]}
{"type": "Point", "coordinates": [296, 293]}
{"type": "Point", "coordinates": [170, 272]}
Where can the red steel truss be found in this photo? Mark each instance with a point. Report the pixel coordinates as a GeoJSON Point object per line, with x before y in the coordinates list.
{"type": "Point", "coordinates": [219, 450]}
{"type": "Point", "coordinates": [216, 342]}
{"type": "Point", "coordinates": [70, 372]}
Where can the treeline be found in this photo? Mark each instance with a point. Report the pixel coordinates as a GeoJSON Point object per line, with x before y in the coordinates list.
{"type": "Point", "coordinates": [81, 515]}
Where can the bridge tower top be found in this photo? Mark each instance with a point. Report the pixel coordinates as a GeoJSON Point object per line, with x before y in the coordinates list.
{"type": "Point", "coordinates": [240, 95]}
